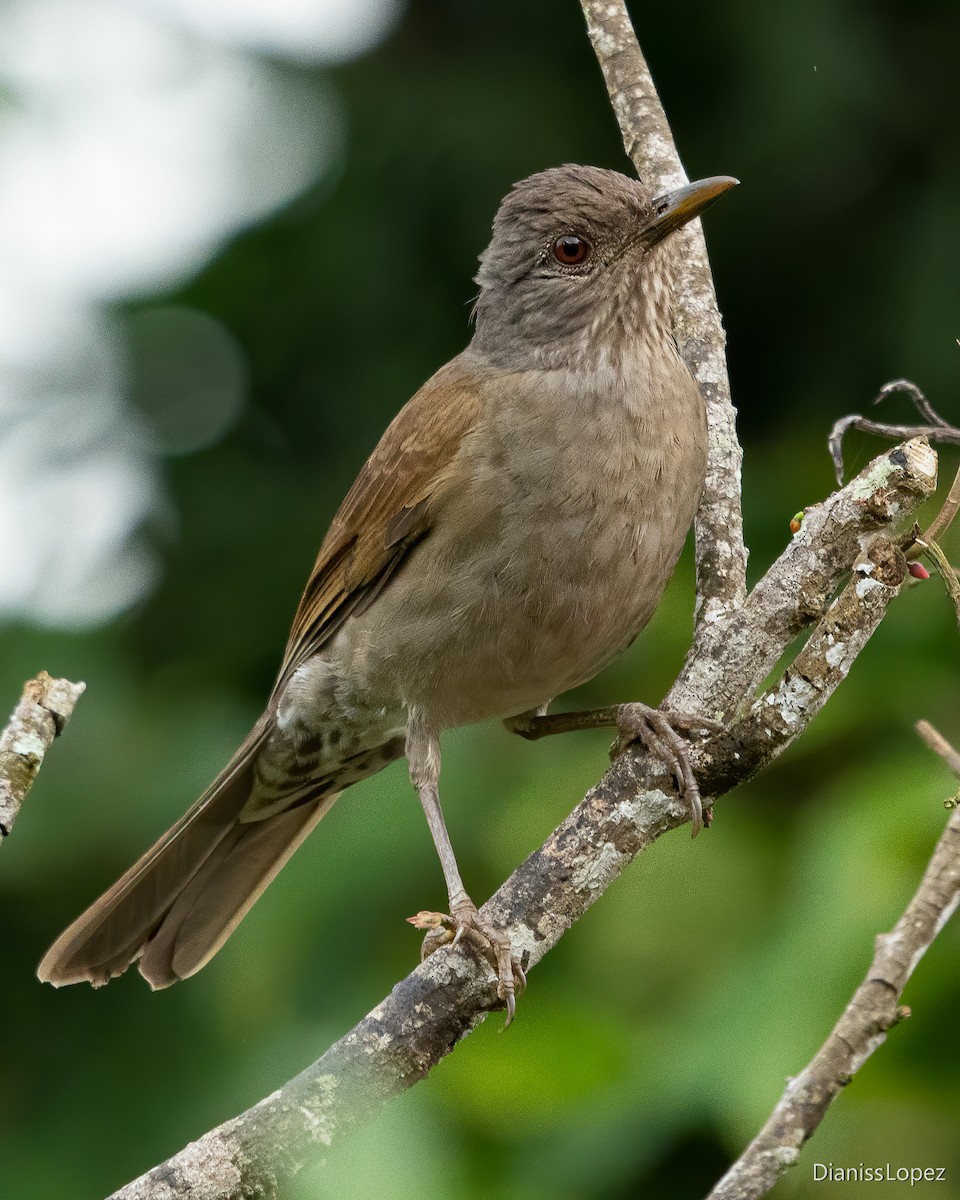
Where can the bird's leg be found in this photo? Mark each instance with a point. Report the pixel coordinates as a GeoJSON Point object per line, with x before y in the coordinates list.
{"type": "Point", "coordinates": [635, 722]}
{"type": "Point", "coordinates": [464, 922]}
{"type": "Point", "coordinates": [537, 723]}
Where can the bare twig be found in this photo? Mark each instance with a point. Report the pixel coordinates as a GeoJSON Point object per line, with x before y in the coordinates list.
{"type": "Point", "coordinates": [939, 745]}
{"type": "Point", "coordinates": [43, 711]}
{"type": "Point", "coordinates": [937, 433]}
{"type": "Point", "coordinates": [920, 402]}
{"type": "Point", "coordinates": [948, 511]}
{"type": "Point", "coordinates": [872, 1012]}
{"type": "Point", "coordinates": [946, 572]}
{"type": "Point", "coordinates": [934, 427]}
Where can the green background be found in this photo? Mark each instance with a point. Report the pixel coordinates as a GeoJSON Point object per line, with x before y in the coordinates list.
{"type": "Point", "coordinates": [656, 1037]}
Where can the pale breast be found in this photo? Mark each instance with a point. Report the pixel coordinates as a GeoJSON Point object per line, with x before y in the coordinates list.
{"type": "Point", "coordinates": [549, 551]}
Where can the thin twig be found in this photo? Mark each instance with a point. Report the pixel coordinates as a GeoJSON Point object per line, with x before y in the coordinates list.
{"type": "Point", "coordinates": [939, 745]}
{"type": "Point", "coordinates": [946, 572]}
{"type": "Point", "coordinates": [948, 511]}
{"type": "Point", "coordinates": [43, 711]}
{"type": "Point", "coordinates": [920, 401]}
{"type": "Point", "coordinates": [935, 427]}
{"type": "Point", "coordinates": [863, 1027]}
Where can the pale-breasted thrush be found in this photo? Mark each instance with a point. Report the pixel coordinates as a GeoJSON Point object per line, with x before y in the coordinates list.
{"type": "Point", "coordinates": [509, 536]}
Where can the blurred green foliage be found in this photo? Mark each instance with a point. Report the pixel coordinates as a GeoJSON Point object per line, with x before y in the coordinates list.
{"type": "Point", "coordinates": [656, 1037]}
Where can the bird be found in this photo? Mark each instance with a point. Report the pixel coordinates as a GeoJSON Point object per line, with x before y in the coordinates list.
{"type": "Point", "coordinates": [509, 536]}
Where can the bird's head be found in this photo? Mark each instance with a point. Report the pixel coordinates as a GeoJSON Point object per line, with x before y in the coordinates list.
{"type": "Point", "coordinates": [575, 265]}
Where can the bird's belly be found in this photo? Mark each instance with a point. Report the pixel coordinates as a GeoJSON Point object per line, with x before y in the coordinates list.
{"type": "Point", "coordinates": [549, 555]}
{"type": "Point", "coordinates": [559, 621]}
{"type": "Point", "coordinates": [485, 629]}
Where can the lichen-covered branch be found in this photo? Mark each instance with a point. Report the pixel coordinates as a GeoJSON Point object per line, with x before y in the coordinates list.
{"type": "Point", "coordinates": [636, 802]}
{"type": "Point", "coordinates": [935, 429]}
{"type": "Point", "coordinates": [43, 711]}
{"type": "Point", "coordinates": [795, 591]}
{"type": "Point", "coordinates": [872, 1012]}
{"type": "Point", "coordinates": [721, 555]}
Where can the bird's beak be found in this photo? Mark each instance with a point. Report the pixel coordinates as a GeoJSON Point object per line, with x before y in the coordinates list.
{"type": "Point", "coordinates": [676, 208]}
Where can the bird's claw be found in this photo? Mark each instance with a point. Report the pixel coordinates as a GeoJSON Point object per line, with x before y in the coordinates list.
{"type": "Point", "coordinates": [657, 730]}
{"type": "Point", "coordinates": [465, 924]}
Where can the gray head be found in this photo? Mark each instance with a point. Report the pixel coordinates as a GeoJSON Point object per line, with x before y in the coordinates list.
{"type": "Point", "coordinates": [576, 262]}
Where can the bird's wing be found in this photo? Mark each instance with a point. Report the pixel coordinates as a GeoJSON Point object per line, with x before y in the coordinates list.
{"type": "Point", "coordinates": [386, 511]}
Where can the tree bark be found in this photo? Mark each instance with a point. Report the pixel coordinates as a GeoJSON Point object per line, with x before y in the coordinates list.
{"type": "Point", "coordinates": [44, 709]}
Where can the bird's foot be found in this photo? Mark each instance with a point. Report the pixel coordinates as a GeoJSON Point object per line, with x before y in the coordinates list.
{"type": "Point", "coordinates": [657, 730]}
{"type": "Point", "coordinates": [465, 924]}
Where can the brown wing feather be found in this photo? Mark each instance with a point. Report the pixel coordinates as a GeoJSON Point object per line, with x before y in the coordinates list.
{"type": "Point", "coordinates": [386, 511]}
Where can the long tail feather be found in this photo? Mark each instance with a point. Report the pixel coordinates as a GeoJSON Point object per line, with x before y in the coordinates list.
{"type": "Point", "coordinates": [223, 891]}
{"type": "Point", "coordinates": [113, 931]}
{"type": "Point", "coordinates": [179, 903]}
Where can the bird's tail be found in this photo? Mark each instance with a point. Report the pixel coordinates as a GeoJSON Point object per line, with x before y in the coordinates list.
{"type": "Point", "coordinates": [179, 903]}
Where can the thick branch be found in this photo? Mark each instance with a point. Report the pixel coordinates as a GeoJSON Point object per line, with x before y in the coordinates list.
{"type": "Point", "coordinates": [769, 726]}
{"type": "Point", "coordinates": [721, 555]}
{"type": "Point", "coordinates": [634, 804]}
{"type": "Point", "coordinates": [873, 1010]}
{"type": "Point", "coordinates": [43, 711]}
{"type": "Point", "coordinates": [796, 590]}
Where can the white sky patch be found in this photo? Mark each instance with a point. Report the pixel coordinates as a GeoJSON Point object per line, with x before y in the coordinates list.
{"type": "Point", "coordinates": [132, 150]}
{"type": "Point", "coordinates": [309, 30]}
{"type": "Point", "coordinates": [136, 140]}
{"type": "Point", "coordinates": [74, 485]}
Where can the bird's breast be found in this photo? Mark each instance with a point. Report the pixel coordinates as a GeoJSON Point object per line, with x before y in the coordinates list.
{"type": "Point", "coordinates": [562, 522]}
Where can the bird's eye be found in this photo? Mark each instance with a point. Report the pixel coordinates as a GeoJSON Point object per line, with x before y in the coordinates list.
{"type": "Point", "coordinates": [571, 251]}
